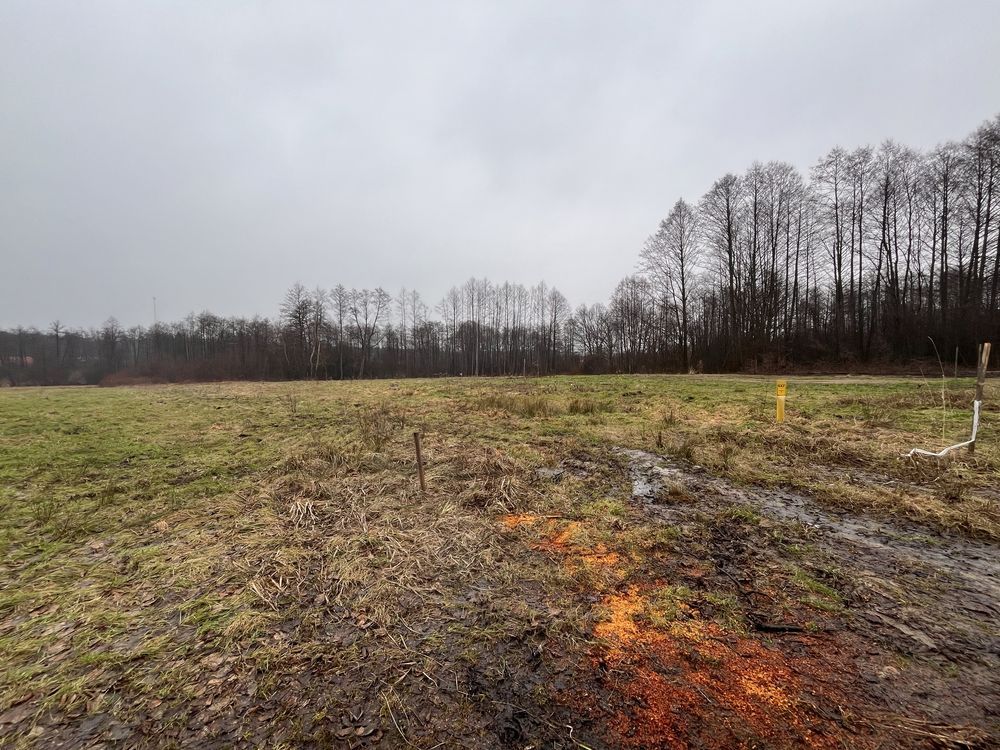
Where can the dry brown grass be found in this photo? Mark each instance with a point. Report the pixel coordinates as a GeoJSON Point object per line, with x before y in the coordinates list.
{"type": "Point", "coordinates": [529, 406]}
{"type": "Point", "coordinates": [378, 423]}
{"type": "Point", "coordinates": [369, 540]}
{"type": "Point", "coordinates": [280, 529]}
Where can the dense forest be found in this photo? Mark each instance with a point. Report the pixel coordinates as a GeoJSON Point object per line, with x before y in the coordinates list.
{"type": "Point", "coordinates": [877, 257]}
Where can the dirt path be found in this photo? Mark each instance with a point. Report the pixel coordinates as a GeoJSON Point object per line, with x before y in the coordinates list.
{"type": "Point", "coordinates": [923, 608]}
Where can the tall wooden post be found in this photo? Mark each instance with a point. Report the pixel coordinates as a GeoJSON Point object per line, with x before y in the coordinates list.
{"type": "Point", "coordinates": [420, 461]}
{"type": "Point", "coordinates": [984, 360]}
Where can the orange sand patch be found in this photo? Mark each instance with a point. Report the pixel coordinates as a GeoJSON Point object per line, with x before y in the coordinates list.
{"type": "Point", "coordinates": [695, 678]}
{"type": "Point", "coordinates": [600, 556]}
{"type": "Point", "coordinates": [562, 539]}
{"type": "Point", "coordinates": [513, 520]}
{"type": "Point", "coordinates": [558, 538]}
{"type": "Point", "coordinates": [620, 628]}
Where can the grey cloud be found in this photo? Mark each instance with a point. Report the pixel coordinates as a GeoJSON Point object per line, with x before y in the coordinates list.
{"type": "Point", "coordinates": [213, 154]}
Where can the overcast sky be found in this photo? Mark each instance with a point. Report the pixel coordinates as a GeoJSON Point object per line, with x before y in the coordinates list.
{"type": "Point", "coordinates": [212, 154]}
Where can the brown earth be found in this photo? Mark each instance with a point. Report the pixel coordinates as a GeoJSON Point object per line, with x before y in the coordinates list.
{"type": "Point", "coordinates": [498, 611]}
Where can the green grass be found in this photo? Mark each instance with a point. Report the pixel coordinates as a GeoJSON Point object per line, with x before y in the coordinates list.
{"type": "Point", "coordinates": [147, 516]}
{"type": "Point", "coordinates": [819, 595]}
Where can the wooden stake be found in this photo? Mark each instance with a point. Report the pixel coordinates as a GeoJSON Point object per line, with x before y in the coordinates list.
{"type": "Point", "coordinates": [420, 461]}
{"type": "Point", "coordinates": [984, 360]}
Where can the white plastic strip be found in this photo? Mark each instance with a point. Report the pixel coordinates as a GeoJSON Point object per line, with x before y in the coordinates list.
{"type": "Point", "coordinates": [950, 448]}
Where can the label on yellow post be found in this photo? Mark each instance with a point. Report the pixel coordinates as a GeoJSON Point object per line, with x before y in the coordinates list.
{"type": "Point", "coordinates": [780, 388]}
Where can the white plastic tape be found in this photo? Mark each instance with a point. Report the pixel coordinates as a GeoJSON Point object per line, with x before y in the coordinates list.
{"type": "Point", "coordinates": [950, 448]}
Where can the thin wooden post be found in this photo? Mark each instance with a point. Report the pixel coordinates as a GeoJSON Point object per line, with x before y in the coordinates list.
{"type": "Point", "coordinates": [984, 360]}
{"type": "Point", "coordinates": [780, 387]}
{"type": "Point", "coordinates": [420, 462]}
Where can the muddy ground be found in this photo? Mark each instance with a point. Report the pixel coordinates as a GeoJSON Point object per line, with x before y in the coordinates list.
{"type": "Point", "coordinates": [694, 614]}
{"type": "Point", "coordinates": [895, 642]}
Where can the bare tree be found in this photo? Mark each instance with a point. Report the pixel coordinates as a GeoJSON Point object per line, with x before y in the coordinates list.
{"type": "Point", "coordinates": [56, 328]}
{"type": "Point", "coordinates": [368, 307]}
{"type": "Point", "coordinates": [670, 260]}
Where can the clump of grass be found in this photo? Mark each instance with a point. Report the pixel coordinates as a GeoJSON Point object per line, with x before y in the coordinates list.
{"type": "Point", "coordinates": [673, 491]}
{"type": "Point", "coordinates": [648, 538]}
{"type": "Point", "coordinates": [802, 579]}
{"type": "Point", "coordinates": [725, 609]}
{"type": "Point", "coordinates": [819, 602]}
{"type": "Point", "coordinates": [174, 499]}
{"type": "Point", "coordinates": [297, 498]}
{"type": "Point", "coordinates": [107, 495]}
{"type": "Point", "coordinates": [588, 406]}
{"type": "Point", "coordinates": [605, 508]}
{"type": "Point", "coordinates": [523, 406]}
{"type": "Point", "coordinates": [952, 491]}
{"type": "Point", "coordinates": [832, 449]}
{"type": "Point", "coordinates": [43, 511]}
{"type": "Point", "coordinates": [321, 454]}
{"type": "Point", "coordinates": [491, 479]}
{"type": "Point", "coordinates": [727, 452]}
{"type": "Point", "coordinates": [821, 596]}
{"type": "Point", "coordinates": [291, 403]}
{"type": "Point", "coordinates": [684, 449]}
{"type": "Point", "coordinates": [742, 514]}
{"type": "Point", "coordinates": [582, 406]}
{"type": "Point", "coordinates": [377, 424]}
{"type": "Point", "coordinates": [875, 412]}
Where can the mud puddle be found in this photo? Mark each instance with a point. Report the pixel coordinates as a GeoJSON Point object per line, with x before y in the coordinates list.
{"type": "Point", "coordinates": [928, 601]}
{"type": "Point", "coordinates": [974, 564]}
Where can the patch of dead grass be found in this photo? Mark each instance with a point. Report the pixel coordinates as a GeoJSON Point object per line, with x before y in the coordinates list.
{"type": "Point", "coordinates": [528, 406]}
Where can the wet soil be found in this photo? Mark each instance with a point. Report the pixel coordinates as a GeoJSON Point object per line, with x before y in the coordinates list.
{"type": "Point", "coordinates": [919, 612]}
{"type": "Point", "coordinates": [904, 651]}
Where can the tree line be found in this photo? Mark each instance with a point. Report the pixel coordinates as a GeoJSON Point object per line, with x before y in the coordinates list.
{"type": "Point", "coordinates": [876, 255]}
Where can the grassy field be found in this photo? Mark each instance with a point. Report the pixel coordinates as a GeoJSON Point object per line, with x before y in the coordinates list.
{"type": "Point", "coordinates": [249, 563]}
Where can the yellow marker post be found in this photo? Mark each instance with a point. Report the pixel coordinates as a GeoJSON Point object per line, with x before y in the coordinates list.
{"type": "Point", "coordinates": [781, 388]}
